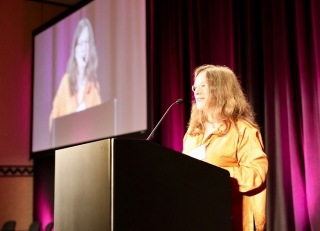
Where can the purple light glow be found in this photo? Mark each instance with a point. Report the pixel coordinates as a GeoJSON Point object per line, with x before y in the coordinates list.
{"type": "Point", "coordinates": [44, 208]}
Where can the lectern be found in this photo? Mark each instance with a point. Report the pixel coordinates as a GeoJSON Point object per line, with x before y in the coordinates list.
{"type": "Point", "coordinates": [138, 185]}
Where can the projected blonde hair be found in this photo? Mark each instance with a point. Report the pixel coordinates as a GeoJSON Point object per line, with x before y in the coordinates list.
{"type": "Point", "coordinates": [226, 103]}
{"type": "Point", "coordinates": [91, 69]}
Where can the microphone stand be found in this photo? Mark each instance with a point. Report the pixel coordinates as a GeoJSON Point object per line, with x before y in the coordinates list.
{"type": "Point", "coordinates": [179, 101]}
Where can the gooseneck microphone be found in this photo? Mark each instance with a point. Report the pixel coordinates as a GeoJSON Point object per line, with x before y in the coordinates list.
{"type": "Point", "coordinates": [179, 101]}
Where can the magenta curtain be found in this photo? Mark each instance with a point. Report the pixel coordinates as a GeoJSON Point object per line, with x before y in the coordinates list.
{"type": "Point", "coordinates": [274, 48]}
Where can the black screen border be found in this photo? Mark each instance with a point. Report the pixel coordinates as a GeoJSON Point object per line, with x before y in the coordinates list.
{"type": "Point", "coordinates": [134, 135]}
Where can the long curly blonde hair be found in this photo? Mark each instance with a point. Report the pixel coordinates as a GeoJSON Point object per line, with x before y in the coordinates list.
{"type": "Point", "coordinates": [227, 102]}
{"type": "Point", "coordinates": [91, 69]}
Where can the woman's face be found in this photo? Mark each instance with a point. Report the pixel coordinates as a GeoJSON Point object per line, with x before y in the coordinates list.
{"type": "Point", "coordinates": [200, 89]}
{"type": "Point", "coordinates": [82, 49]}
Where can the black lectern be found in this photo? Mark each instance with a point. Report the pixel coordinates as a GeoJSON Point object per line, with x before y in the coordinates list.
{"type": "Point", "coordinates": [137, 185]}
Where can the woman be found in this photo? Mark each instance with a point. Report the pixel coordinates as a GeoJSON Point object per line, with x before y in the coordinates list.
{"type": "Point", "coordinates": [222, 131]}
{"type": "Point", "coordinates": [79, 87]}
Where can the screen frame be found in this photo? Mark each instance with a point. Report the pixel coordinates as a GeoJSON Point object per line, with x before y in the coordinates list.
{"type": "Point", "coordinates": [134, 135]}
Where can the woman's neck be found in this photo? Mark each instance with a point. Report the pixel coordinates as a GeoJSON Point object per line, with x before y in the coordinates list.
{"type": "Point", "coordinates": [209, 128]}
{"type": "Point", "coordinates": [211, 125]}
{"type": "Point", "coordinates": [81, 79]}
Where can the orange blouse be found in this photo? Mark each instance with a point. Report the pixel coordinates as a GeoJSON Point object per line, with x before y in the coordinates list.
{"type": "Point", "coordinates": [64, 103]}
{"type": "Point", "coordinates": [243, 156]}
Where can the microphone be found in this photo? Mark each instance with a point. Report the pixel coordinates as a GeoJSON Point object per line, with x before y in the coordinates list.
{"type": "Point", "coordinates": [179, 101]}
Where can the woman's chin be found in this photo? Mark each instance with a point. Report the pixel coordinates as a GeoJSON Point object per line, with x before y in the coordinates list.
{"type": "Point", "coordinates": [82, 66]}
{"type": "Point", "coordinates": [200, 107]}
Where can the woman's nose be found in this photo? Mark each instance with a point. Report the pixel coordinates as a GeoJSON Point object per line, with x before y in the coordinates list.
{"type": "Point", "coordinates": [196, 90]}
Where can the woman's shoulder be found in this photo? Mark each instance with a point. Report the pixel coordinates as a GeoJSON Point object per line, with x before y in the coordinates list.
{"type": "Point", "coordinates": [64, 84]}
{"type": "Point", "coordinates": [245, 125]}
{"type": "Point", "coordinates": [247, 129]}
{"type": "Point", "coordinates": [65, 77]}
{"type": "Point", "coordinates": [65, 80]}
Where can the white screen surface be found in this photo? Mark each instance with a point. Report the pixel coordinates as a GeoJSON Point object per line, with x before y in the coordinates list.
{"type": "Point", "coordinates": [119, 30]}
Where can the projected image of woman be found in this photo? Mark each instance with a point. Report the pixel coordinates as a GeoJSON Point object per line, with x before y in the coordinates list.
{"type": "Point", "coordinates": [79, 87]}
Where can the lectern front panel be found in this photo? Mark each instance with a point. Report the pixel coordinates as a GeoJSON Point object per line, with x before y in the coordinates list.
{"type": "Point", "coordinates": [82, 188]}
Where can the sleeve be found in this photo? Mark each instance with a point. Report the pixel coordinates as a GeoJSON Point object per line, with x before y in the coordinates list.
{"type": "Point", "coordinates": [55, 112]}
{"type": "Point", "coordinates": [96, 97]}
{"type": "Point", "coordinates": [252, 162]}
{"type": "Point", "coordinates": [93, 97]}
{"type": "Point", "coordinates": [184, 151]}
